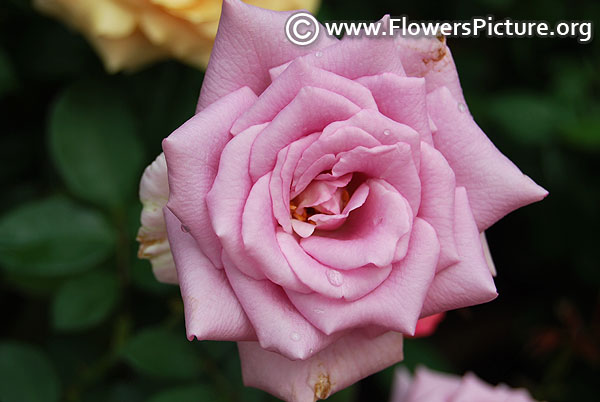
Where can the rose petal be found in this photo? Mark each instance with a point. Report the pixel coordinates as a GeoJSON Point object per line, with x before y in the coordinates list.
{"type": "Point", "coordinates": [303, 229]}
{"type": "Point", "coordinates": [332, 222]}
{"type": "Point", "coordinates": [402, 99]}
{"type": "Point", "coordinates": [438, 186]}
{"type": "Point", "coordinates": [258, 234]}
{"type": "Point", "coordinates": [297, 76]}
{"type": "Point", "coordinates": [469, 281]}
{"type": "Point", "coordinates": [472, 388]}
{"type": "Point", "coordinates": [396, 304]}
{"type": "Point", "coordinates": [358, 57]}
{"type": "Point", "coordinates": [426, 326]}
{"type": "Point", "coordinates": [206, 293]}
{"type": "Point", "coordinates": [192, 154]}
{"type": "Point", "coordinates": [345, 138]}
{"type": "Point", "coordinates": [369, 235]}
{"type": "Point", "coordinates": [494, 184]}
{"type": "Point", "coordinates": [350, 285]}
{"type": "Point", "coordinates": [320, 165]}
{"type": "Point", "coordinates": [487, 253]}
{"type": "Point", "coordinates": [227, 197]}
{"type": "Point", "coordinates": [382, 129]}
{"type": "Point", "coordinates": [281, 179]}
{"type": "Point", "coordinates": [390, 163]}
{"type": "Point", "coordinates": [250, 41]}
{"type": "Point", "coordinates": [430, 58]}
{"type": "Point", "coordinates": [315, 193]}
{"type": "Point", "coordinates": [152, 235]}
{"type": "Point", "coordinates": [319, 105]}
{"type": "Point", "coordinates": [428, 385]}
{"type": "Point", "coordinates": [348, 360]}
{"type": "Point", "coordinates": [279, 326]}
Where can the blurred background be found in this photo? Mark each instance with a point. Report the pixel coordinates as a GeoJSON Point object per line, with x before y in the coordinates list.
{"type": "Point", "coordinates": [84, 320]}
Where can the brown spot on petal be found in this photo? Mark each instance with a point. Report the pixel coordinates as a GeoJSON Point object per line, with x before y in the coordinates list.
{"type": "Point", "coordinates": [322, 386]}
{"type": "Point", "coordinates": [145, 243]}
{"type": "Point", "coordinates": [437, 56]}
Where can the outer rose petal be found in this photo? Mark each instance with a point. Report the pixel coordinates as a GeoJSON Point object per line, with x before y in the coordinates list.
{"type": "Point", "coordinates": [438, 186]}
{"type": "Point", "coordinates": [494, 184]}
{"type": "Point", "coordinates": [152, 235]}
{"type": "Point", "coordinates": [427, 326]}
{"type": "Point", "coordinates": [348, 360]}
{"type": "Point", "coordinates": [430, 58]}
{"type": "Point", "coordinates": [358, 57]}
{"type": "Point", "coordinates": [469, 281]}
{"type": "Point", "coordinates": [431, 386]}
{"type": "Point", "coordinates": [473, 389]}
{"type": "Point", "coordinates": [206, 293]}
{"type": "Point", "coordinates": [193, 153]}
{"type": "Point", "coordinates": [249, 42]}
{"type": "Point", "coordinates": [279, 326]}
{"type": "Point", "coordinates": [227, 197]}
{"type": "Point", "coordinates": [488, 254]}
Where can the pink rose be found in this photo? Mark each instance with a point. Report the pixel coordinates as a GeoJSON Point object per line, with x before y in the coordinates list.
{"type": "Point", "coordinates": [427, 326]}
{"type": "Point", "coordinates": [324, 198]}
{"type": "Point", "coordinates": [430, 386]}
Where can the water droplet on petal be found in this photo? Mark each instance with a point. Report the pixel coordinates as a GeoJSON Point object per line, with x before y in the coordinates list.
{"type": "Point", "coordinates": [319, 310]}
{"type": "Point", "coordinates": [311, 351]}
{"type": "Point", "coordinates": [461, 107]}
{"type": "Point", "coordinates": [295, 336]}
{"type": "Point", "coordinates": [378, 221]}
{"type": "Point", "coordinates": [319, 54]}
{"type": "Point", "coordinates": [185, 229]}
{"type": "Point", "coordinates": [386, 132]}
{"type": "Point", "coordinates": [335, 277]}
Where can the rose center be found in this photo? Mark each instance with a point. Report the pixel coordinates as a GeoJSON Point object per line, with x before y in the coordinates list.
{"type": "Point", "coordinates": [335, 204]}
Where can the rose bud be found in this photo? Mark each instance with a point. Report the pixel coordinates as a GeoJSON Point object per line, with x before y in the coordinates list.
{"type": "Point", "coordinates": [431, 386]}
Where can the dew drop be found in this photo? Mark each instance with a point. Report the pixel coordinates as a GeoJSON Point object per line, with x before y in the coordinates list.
{"type": "Point", "coordinates": [461, 107]}
{"type": "Point", "coordinates": [335, 277]}
{"type": "Point", "coordinates": [311, 351]}
{"type": "Point", "coordinates": [378, 221]}
{"type": "Point", "coordinates": [319, 310]}
{"type": "Point", "coordinates": [319, 54]}
{"type": "Point", "coordinates": [185, 229]}
{"type": "Point", "coordinates": [386, 132]}
{"type": "Point", "coordinates": [295, 336]}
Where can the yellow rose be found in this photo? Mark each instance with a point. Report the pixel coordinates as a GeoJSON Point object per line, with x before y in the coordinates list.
{"type": "Point", "coordinates": [130, 33]}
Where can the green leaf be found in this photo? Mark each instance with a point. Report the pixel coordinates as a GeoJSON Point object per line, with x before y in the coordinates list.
{"type": "Point", "coordinates": [118, 392]}
{"type": "Point", "coordinates": [584, 134]}
{"type": "Point", "coordinates": [527, 118]}
{"type": "Point", "coordinates": [94, 145]}
{"type": "Point", "coordinates": [344, 395]}
{"type": "Point", "coordinates": [26, 375]}
{"type": "Point", "coordinates": [161, 353]}
{"type": "Point", "coordinates": [143, 278]}
{"type": "Point", "coordinates": [422, 352]}
{"type": "Point", "coordinates": [54, 236]}
{"type": "Point", "coordinates": [8, 79]}
{"type": "Point", "coordinates": [191, 393]}
{"type": "Point", "coordinates": [84, 301]}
